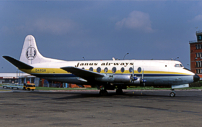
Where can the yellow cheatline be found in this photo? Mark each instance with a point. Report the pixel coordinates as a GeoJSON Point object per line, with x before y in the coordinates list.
{"type": "Point", "coordinates": [61, 71]}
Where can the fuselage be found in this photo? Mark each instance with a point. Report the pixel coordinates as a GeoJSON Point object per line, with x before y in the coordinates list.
{"type": "Point", "coordinates": [155, 72]}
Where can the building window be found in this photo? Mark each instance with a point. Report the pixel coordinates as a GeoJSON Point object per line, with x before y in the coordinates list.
{"type": "Point", "coordinates": [198, 46]}
{"type": "Point", "coordinates": [198, 63]}
{"type": "Point", "coordinates": [197, 54]}
{"type": "Point", "coordinates": [198, 71]}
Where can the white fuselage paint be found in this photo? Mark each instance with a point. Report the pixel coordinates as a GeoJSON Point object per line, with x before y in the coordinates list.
{"type": "Point", "coordinates": [155, 72]}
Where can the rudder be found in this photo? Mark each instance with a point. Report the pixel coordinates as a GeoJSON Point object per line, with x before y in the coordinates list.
{"type": "Point", "coordinates": [30, 53]}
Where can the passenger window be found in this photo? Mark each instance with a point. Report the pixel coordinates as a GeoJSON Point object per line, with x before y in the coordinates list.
{"type": "Point", "coordinates": [130, 69]}
{"type": "Point", "coordinates": [90, 69]}
{"type": "Point", "coordinates": [114, 69]}
{"type": "Point", "coordinates": [106, 69]}
{"type": "Point", "coordinates": [139, 69]}
{"type": "Point", "coordinates": [122, 69]}
{"type": "Point", "coordinates": [98, 69]}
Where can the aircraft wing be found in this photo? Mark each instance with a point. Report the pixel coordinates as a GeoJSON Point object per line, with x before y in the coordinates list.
{"type": "Point", "coordinates": [17, 63]}
{"type": "Point", "coordinates": [82, 73]}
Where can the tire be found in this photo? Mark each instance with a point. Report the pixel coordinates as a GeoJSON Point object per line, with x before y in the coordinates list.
{"type": "Point", "coordinates": [103, 92]}
{"type": "Point", "coordinates": [119, 91]}
{"type": "Point", "coordinates": [172, 94]}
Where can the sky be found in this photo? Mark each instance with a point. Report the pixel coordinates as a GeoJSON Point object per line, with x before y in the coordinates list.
{"type": "Point", "coordinates": [99, 30]}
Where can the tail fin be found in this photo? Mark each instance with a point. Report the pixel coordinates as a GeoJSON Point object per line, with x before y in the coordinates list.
{"type": "Point", "coordinates": [30, 54]}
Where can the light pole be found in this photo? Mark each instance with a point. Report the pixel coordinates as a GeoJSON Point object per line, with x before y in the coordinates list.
{"type": "Point", "coordinates": [125, 55]}
{"type": "Point", "coordinates": [177, 58]}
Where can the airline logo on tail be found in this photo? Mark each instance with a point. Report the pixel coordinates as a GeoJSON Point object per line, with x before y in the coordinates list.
{"type": "Point", "coordinates": [31, 53]}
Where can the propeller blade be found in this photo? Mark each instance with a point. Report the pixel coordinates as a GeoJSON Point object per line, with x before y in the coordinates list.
{"type": "Point", "coordinates": [142, 73]}
{"type": "Point", "coordinates": [143, 81]}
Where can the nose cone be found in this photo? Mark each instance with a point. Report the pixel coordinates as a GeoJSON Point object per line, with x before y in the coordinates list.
{"type": "Point", "coordinates": [196, 78]}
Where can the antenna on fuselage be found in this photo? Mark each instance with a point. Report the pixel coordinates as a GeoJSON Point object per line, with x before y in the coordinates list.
{"type": "Point", "coordinates": [143, 81]}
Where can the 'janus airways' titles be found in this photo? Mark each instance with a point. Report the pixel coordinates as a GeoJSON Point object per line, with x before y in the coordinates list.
{"type": "Point", "coordinates": [103, 64]}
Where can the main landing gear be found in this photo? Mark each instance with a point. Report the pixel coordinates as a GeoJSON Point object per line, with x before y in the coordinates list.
{"type": "Point", "coordinates": [172, 94]}
{"type": "Point", "coordinates": [103, 92]}
{"type": "Point", "coordinates": [119, 91]}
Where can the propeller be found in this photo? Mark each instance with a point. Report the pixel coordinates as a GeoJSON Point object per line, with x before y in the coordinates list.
{"type": "Point", "coordinates": [143, 80]}
{"type": "Point", "coordinates": [133, 76]}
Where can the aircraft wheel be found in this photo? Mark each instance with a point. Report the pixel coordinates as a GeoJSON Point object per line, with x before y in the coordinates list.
{"type": "Point", "coordinates": [103, 92]}
{"type": "Point", "coordinates": [172, 94]}
{"type": "Point", "coordinates": [119, 91]}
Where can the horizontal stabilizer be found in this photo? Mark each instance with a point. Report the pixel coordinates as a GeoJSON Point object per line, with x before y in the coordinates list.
{"type": "Point", "coordinates": [17, 63]}
{"type": "Point", "coordinates": [82, 73]}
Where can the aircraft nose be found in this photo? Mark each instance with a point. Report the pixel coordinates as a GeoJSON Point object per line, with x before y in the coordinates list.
{"type": "Point", "coordinates": [196, 78]}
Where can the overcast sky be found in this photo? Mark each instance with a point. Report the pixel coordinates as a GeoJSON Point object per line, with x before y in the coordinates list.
{"type": "Point", "coordinates": [71, 30]}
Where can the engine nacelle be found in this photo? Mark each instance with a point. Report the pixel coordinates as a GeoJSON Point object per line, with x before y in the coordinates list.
{"type": "Point", "coordinates": [115, 78]}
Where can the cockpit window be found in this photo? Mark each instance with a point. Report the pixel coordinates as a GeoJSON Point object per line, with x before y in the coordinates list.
{"type": "Point", "coordinates": [178, 65]}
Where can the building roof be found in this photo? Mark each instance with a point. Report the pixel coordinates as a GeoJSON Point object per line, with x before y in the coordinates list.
{"type": "Point", "coordinates": [14, 75]}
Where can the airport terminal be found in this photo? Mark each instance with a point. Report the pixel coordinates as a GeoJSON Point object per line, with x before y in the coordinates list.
{"type": "Point", "coordinates": [21, 78]}
{"type": "Point", "coordinates": [196, 54]}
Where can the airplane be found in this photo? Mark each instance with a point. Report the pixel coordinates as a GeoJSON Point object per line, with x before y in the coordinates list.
{"type": "Point", "coordinates": [105, 74]}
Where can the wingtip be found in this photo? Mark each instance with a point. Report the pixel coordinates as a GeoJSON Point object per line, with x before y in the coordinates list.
{"type": "Point", "coordinates": [17, 63]}
{"type": "Point", "coordinates": [5, 57]}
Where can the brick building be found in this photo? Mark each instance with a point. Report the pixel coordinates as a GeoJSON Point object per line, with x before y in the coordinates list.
{"type": "Point", "coordinates": [196, 54]}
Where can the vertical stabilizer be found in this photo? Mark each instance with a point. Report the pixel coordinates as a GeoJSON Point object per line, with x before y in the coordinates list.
{"type": "Point", "coordinates": [30, 53]}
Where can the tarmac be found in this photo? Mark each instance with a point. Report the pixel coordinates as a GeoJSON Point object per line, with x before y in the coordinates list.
{"type": "Point", "coordinates": [86, 108]}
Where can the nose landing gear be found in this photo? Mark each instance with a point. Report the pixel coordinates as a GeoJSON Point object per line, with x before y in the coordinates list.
{"type": "Point", "coordinates": [172, 94]}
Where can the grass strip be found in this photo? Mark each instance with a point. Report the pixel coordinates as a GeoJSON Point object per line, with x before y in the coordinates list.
{"type": "Point", "coordinates": [135, 88]}
{"type": "Point", "coordinates": [53, 88]}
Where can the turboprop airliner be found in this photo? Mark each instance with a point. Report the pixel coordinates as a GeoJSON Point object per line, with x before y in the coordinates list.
{"type": "Point", "coordinates": [105, 74]}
